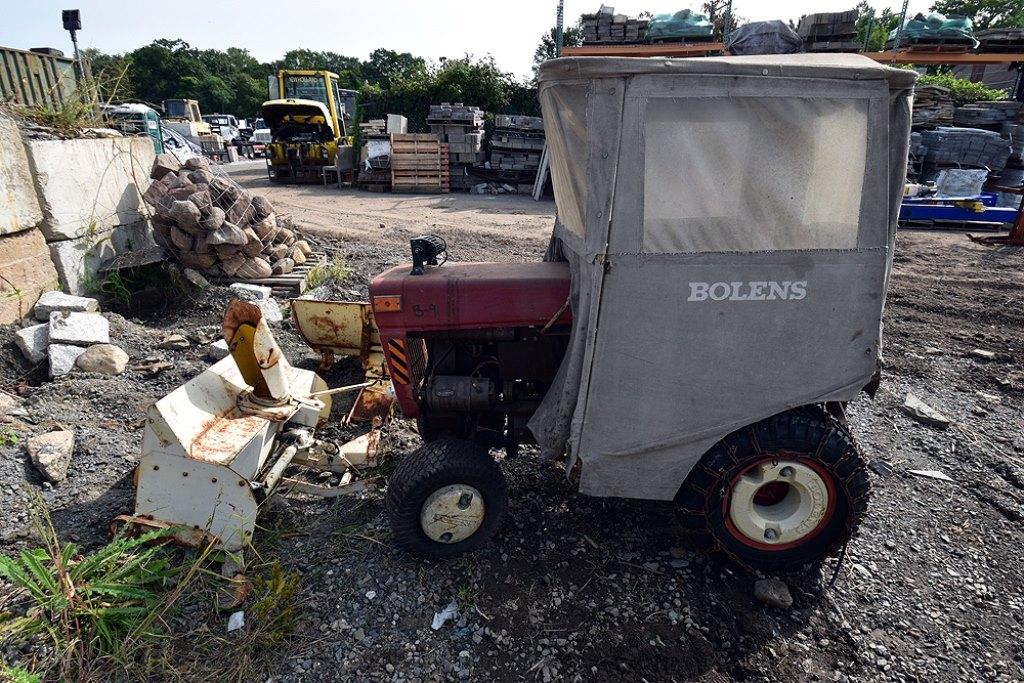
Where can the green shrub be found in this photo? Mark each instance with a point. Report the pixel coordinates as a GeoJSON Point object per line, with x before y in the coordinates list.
{"type": "Point", "coordinates": [962, 90]}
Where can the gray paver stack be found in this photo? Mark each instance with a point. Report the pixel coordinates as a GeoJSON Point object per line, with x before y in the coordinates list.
{"type": "Point", "coordinates": [830, 31]}
{"type": "Point", "coordinates": [605, 26]}
{"type": "Point", "coordinates": [516, 143]}
{"type": "Point", "coordinates": [462, 128]}
{"type": "Point", "coordinates": [970, 147]}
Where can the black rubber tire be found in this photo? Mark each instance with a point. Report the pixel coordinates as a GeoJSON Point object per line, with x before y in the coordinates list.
{"type": "Point", "coordinates": [438, 464]}
{"type": "Point", "coordinates": [808, 431]}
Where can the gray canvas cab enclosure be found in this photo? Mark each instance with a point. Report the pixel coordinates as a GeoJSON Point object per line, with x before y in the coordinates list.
{"type": "Point", "coordinates": [729, 225]}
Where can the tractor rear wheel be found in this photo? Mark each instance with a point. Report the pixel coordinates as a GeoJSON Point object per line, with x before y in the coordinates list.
{"type": "Point", "coordinates": [787, 491]}
{"type": "Point", "coordinates": [445, 499]}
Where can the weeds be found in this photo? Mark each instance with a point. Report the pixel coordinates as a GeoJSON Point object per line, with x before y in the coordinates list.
{"type": "Point", "coordinates": [15, 674]}
{"type": "Point", "coordinates": [332, 270]}
{"type": "Point", "coordinates": [86, 607]}
{"type": "Point", "coordinates": [117, 288]}
{"type": "Point", "coordinates": [273, 613]}
{"type": "Point", "coordinates": [8, 437]}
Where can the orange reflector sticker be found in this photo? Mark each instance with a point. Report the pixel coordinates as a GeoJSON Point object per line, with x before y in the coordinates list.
{"type": "Point", "coordinates": [387, 304]}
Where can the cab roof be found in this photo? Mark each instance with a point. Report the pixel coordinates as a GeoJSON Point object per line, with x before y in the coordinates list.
{"type": "Point", "coordinates": [840, 66]}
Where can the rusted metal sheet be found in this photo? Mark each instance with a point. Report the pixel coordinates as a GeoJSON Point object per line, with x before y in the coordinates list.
{"type": "Point", "coordinates": [33, 79]}
{"type": "Point", "coordinates": [344, 328]}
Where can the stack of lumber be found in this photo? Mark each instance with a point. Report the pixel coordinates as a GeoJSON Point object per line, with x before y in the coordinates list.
{"type": "Point", "coordinates": [419, 163]}
{"type": "Point", "coordinates": [516, 143]}
{"type": "Point", "coordinates": [966, 147]}
{"type": "Point", "coordinates": [1000, 40]}
{"type": "Point", "coordinates": [374, 164]}
{"type": "Point", "coordinates": [214, 226]}
{"type": "Point", "coordinates": [933, 106]}
{"type": "Point", "coordinates": [830, 31]}
{"type": "Point", "coordinates": [605, 26]}
{"type": "Point", "coordinates": [461, 127]}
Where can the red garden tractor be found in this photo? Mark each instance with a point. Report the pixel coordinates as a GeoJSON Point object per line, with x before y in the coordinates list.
{"type": "Point", "coordinates": [711, 300]}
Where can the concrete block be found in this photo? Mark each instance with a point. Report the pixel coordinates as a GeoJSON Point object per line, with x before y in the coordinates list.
{"type": "Point", "coordinates": [33, 341]}
{"type": "Point", "coordinates": [78, 261]}
{"type": "Point", "coordinates": [271, 310]}
{"type": "Point", "coordinates": [62, 358]}
{"type": "Point", "coordinates": [397, 123]}
{"type": "Point", "coordinates": [27, 271]}
{"type": "Point", "coordinates": [59, 301]}
{"type": "Point", "coordinates": [89, 186]}
{"type": "Point", "coordinates": [248, 292]}
{"type": "Point", "coordinates": [19, 209]}
{"type": "Point", "coordinates": [82, 329]}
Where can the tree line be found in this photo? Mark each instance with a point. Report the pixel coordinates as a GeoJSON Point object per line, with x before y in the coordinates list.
{"type": "Point", "coordinates": [232, 81]}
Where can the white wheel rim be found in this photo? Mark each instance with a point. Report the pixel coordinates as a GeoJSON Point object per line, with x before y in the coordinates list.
{"type": "Point", "coordinates": [790, 519]}
{"type": "Point", "coordinates": [452, 513]}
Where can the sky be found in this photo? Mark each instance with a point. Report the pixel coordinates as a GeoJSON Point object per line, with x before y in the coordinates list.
{"type": "Point", "coordinates": [508, 30]}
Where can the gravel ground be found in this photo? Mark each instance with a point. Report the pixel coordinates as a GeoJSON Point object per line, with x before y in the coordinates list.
{"type": "Point", "coordinates": [577, 588]}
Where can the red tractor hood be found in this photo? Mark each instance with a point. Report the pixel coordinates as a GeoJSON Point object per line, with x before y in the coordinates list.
{"type": "Point", "coordinates": [470, 296]}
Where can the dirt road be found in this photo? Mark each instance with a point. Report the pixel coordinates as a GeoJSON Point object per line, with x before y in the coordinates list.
{"type": "Point", "coordinates": [583, 589]}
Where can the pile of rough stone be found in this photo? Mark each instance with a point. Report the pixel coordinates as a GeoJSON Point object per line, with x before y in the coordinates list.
{"type": "Point", "coordinates": [71, 332]}
{"type": "Point", "coordinates": [214, 226]}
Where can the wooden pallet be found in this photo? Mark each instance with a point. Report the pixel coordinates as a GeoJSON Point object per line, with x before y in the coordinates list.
{"type": "Point", "coordinates": [285, 286]}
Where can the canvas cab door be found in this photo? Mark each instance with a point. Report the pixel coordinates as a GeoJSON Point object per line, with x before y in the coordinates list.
{"type": "Point", "coordinates": [744, 272]}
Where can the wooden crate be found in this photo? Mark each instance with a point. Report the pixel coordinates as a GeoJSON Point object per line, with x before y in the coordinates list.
{"type": "Point", "coordinates": [417, 163]}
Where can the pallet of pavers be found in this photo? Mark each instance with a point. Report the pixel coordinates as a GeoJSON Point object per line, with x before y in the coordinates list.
{"type": "Point", "coordinates": [517, 143]}
{"type": "Point", "coordinates": [605, 26]}
{"type": "Point", "coordinates": [461, 127]}
{"type": "Point", "coordinates": [417, 164]}
{"type": "Point", "coordinates": [830, 31]}
{"type": "Point", "coordinates": [1000, 40]}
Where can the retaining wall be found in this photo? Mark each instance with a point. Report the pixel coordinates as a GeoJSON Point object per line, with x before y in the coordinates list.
{"type": "Point", "coordinates": [25, 267]}
{"type": "Point", "coordinates": [90, 192]}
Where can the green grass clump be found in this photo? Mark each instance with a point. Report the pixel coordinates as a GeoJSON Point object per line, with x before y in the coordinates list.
{"type": "Point", "coordinates": [332, 270]}
{"type": "Point", "coordinates": [86, 607]}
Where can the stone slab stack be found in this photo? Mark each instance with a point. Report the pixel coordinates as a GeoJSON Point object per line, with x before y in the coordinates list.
{"type": "Point", "coordinates": [516, 143]}
{"type": "Point", "coordinates": [605, 26]}
{"type": "Point", "coordinates": [933, 106]}
{"type": "Point", "coordinates": [830, 31]}
{"type": "Point", "coordinates": [461, 127]}
{"type": "Point", "coordinates": [214, 226]}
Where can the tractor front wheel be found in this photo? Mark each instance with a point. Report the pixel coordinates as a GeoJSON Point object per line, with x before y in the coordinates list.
{"type": "Point", "coordinates": [782, 493]}
{"type": "Point", "coordinates": [445, 499]}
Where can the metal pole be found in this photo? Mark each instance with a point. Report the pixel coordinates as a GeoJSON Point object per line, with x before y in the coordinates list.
{"type": "Point", "coordinates": [899, 27]}
{"type": "Point", "coordinates": [867, 28]}
{"type": "Point", "coordinates": [727, 22]}
{"type": "Point", "coordinates": [559, 21]}
{"type": "Point", "coordinates": [78, 57]}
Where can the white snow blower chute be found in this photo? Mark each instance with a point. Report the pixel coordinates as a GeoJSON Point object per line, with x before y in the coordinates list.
{"type": "Point", "coordinates": [216, 447]}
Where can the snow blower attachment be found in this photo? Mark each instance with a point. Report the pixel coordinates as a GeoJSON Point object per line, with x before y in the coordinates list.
{"type": "Point", "coordinates": [217, 447]}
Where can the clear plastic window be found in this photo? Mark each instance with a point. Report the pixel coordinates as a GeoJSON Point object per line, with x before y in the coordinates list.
{"type": "Point", "coordinates": [753, 173]}
{"type": "Point", "coordinates": [565, 126]}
